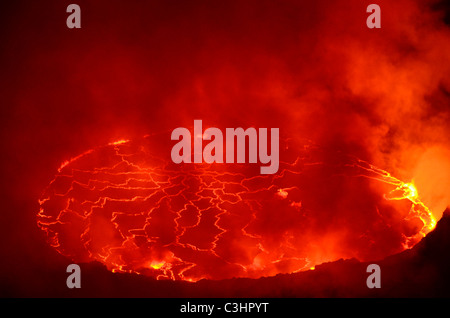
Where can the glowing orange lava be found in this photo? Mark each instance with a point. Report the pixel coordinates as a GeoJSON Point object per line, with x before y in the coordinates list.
{"type": "Point", "coordinates": [135, 211]}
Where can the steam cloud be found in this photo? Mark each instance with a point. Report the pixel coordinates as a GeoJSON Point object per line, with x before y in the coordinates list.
{"type": "Point", "coordinates": [312, 68]}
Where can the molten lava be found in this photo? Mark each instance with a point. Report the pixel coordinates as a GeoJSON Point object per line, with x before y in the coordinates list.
{"type": "Point", "coordinates": [130, 207]}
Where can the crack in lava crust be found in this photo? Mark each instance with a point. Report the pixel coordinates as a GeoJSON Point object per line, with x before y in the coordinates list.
{"type": "Point", "coordinates": [135, 211]}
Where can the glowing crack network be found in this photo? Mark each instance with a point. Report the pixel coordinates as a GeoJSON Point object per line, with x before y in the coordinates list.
{"type": "Point", "coordinates": [135, 211]}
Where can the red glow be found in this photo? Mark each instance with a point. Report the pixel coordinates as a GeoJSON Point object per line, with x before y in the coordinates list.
{"type": "Point", "coordinates": [311, 68]}
{"type": "Point", "coordinates": [135, 211]}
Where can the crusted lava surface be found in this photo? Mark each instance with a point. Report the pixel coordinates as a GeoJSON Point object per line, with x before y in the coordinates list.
{"type": "Point", "coordinates": [130, 208]}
